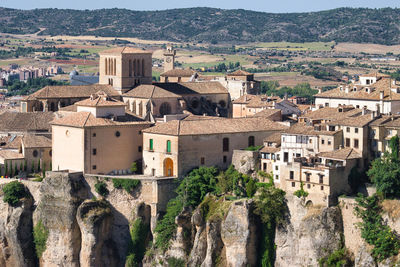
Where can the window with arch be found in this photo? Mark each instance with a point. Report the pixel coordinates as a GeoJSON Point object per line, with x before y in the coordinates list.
{"type": "Point", "coordinates": [225, 144]}
{"type": "Point", "coordinates": [35, 153]}
{"type": "Point", "coordinates": [165, 109]}
{"type": "Point", "coordinates": [251, 141]}
{"type": "Point", "coordinates": [169, 146]}
{"type": "Point", "coordinates": [117, 134]}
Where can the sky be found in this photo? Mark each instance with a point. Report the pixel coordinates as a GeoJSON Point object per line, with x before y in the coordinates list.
{"type": "Point", "coordinates": [275, 6]}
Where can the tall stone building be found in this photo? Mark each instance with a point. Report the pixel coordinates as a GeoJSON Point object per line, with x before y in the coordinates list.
{"type": "Point", "coordinates": [125, 68]}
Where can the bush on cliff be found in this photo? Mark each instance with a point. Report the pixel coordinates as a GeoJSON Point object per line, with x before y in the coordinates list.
{"type": "Point", "coordinates": [101, 189]}
{"type": "Point", "coordinates": [136, 248]}
{"type": "Point", "coordinates": [128, 184]}
{"type": "Point", "coordinates": [40, 235]}
{"type": "Point", "coordinates": [13, 192]}
{"type": "Point", "coordinates": [374, 231]}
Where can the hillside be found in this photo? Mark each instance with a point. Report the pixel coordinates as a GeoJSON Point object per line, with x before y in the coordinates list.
{"type": "Point", "coordinates": [359, 25]}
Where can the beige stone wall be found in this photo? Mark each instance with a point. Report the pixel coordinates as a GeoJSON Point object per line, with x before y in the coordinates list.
{"type": "Point", "coordinates": [68, 148]}
{"type": "Point", "coordinates": [153, 160]}
{"type": "Point", "coordinates": [112, 153]}
{"type": "Point", "coordinates": [44, 156]}
{"type": "Point", "coordinates": [127, 74]}
{"type": "Point", "coordinates": [174, 79]}
{"type": "Point", "coordinates": [188, 151]}
{"type": "Point", "coordinates": [331, 142]}
{"type": "Point", "coordinates": [135, 104]}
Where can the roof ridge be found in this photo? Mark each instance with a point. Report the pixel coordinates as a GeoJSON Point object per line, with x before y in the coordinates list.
{"type": "Point", "coordinates": [87, 118]}
{"type": "Point", "coordinates": [179, 127]}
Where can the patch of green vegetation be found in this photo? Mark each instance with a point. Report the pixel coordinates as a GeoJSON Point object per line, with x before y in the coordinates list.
{"type": "Point", "coordinates": [214, 209]}
{"type": "Point", "coordinates": [253, 148]}
{"type": "Point", "coordinates": [385, 171]}
{"type": "Point", "coordinates": [175, 262]}
{"type": "Point", "coordinates": [13, 193]}
{"type": "Point", "coordinates": [301, 192]}
{"type": "Point", "coordinates": [374, 231]}
{"type": "Point", "coordinates": [40, 235]}
{"type": "Point", "coordinates": [137, 246]}
{"type": "Point", "coordinates": [101, 189]}
{"type": "Point", "coordinates": [301, 90]}
{"type": "Point", "coordinates": [128, 184]}
{"type": "Point", "coordinates": [338, 258]}
{"type": "Point", "coordinates": [311, 46]}
{"type": "Point", "coordinates": [270, 205]}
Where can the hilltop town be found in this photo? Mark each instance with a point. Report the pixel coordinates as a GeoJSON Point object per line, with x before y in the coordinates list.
{"type": "Point", "coordinates": [160, 136]}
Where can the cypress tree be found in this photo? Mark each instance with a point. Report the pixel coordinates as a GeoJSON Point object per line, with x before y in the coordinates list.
{"type": "Point", "coordinates": [33, 167]}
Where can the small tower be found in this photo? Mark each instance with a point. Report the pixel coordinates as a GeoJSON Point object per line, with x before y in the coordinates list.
{"type": "Point", "coordinates": [169, 58]}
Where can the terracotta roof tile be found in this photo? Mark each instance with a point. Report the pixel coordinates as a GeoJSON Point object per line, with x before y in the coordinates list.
{"type": "Point", "coordinates": [341, 154]}
{"type": "Point", "coordinates": [87, 119]}
{"type": "Point", "coordinates": [239, 73]}
{"type": "Point", "coordinates": [25, 121]}
{"type": "Point", "coordinates": [71, 91]}
{"type": "Point", "coordinates": [32, 141]}
{"type": "Point", "coordinates": [9, 154]}
{"type": "Point", "coordinates": [178, 73]}
{"type": "Point", "coordinates": [149, 92]}
{"type": "Point", "coordinates": [217, 126]}
{"type": "Point", "coordinates": [100, 100]}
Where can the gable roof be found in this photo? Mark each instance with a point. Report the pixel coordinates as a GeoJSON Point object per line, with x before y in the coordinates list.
{"type": "Point", "coordinates": [9, 154]}
{"type": "Point", "coordinates": [341, 154]}
{"type": "Point", "coordinates": [216, 126]}
{"type": "Point", "coordinates": [25, 121]}
{"type": "Point", "coordinates": [87, 119]}
{"type": "Point", "coordinates": [150, 91]}
{"type": "Point", "coordinates": [100, 100]}
{"type": "Point", "coordinates": [382, 85]}
{"type": "Point", "coordinates": [178, 73]}
{"type": "Point", "coordinates": [72, 91]}
{"type": "Point", "coordinates": [239, 73]}
{"type": "Point", "coordinates": [33, 141]}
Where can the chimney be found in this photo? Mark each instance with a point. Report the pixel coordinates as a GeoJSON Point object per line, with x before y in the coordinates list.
{"type": "Point", "coordinates": [377, 109]}
{"type": "Point", "coordinates": [346, 89]}
{"type": "Point", "coordinates": [319, 90]}
{"type": "Point", "coordinates": [381, 94]}
{"type": "Point", "coordinates": [286, 97]}
{"type": "Point", "coordinates": [364, 110]}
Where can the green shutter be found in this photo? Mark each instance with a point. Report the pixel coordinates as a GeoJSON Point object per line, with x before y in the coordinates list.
{"type": "Point", "coordinates": [151, 144]}
{"type": "Point", "coordinates": [168, 146]}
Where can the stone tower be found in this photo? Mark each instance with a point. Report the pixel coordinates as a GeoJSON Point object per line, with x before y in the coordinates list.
{"type": "Point", "coordinates": [169, 58]}
{"type": "Point", "coordinates": [125, 68]}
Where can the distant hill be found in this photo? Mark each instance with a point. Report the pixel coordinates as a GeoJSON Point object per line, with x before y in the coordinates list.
{"type": "Point", "coordinates": [359, 25]}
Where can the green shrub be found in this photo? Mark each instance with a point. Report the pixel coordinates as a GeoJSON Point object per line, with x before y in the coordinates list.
{"type": "Point", "coordinates": [175, 262]}
{"type": "Point", "coordinates": [40, 235]}
{"type": "Point", "coordinates": [214, 209]}
{"type": "Point", "coordinates": [13, 192]}
{"type": "Point", "coordinates": [136, 249]}
{"type": "Point", "coordinates": [301, 192]}
{"type": "Point", "coordinates": [134, 167]}
{"type": "Point", "coordinates": [166, 227]}
{"type": "Point", "coordinates": [128, 184]}
{"type": "Point", "coordinates": [101, 189]}
{"type": "Point", "coordinates": [338, 258]}
{"type": "Point", "coordinates": [251, 188]}
{"type": "Point", "coordinates": [373, 230]}
{"type": "Point", "coordinates": [253, 148]}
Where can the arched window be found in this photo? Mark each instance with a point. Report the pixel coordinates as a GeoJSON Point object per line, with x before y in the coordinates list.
{"type": "Point", "coordinates": [169, 146]}
{"type": "Point", "coordinates": [225, 144]}
{"type": "Point", "coordinates": [251, 141]}
{"type": "Point", "coordinates": [165, 109]}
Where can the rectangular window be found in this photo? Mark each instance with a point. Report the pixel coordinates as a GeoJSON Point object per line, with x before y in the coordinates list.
{"type": "Point", "coordinates": [151, 144]}
{"type": "Point", "coordinates": [308, 186]}
{"type": "Point", "coordinates": [356, 130]}
{"type": "Point", "coordinates": [276, 177]}
{"type": "Point", "coordinates": [140, 148]}
{"type": "Point", "coordinates": [276, 168]}
{"type": "Point", "coordinates": [94, 134]}
{"type": "Point", "coordinates": [321, 179]}
{"type": "Point", "coordinates": [94, 152]}
{"type": "Point", "coordinates": [308, 175]}
{"type": "Point", "coordinates": [355, 143]}
{"type": "Point", "coordinates": [225, 159]}
{"type": "Point", "coordinates": [169, 146]}
{"type": "Point", "coordinates": [225, 144]}
{"type": "Point", "coordinates": [322, 141]}
{"type": "Point", "coordinates": [94, 167]}
{"type": "Point", "coordinates": [347, 142]}
{"type": "Point", "coordinates": [329, 142]}
{"type": "Point", "coordinates": [264, 166]}
{"type": "Point", "coordinates": [322, 187]}
{"type": "Point", "coordinates": [293, 184]}
{"type": "Point", "coordinates": [202, 161]}
{"type": "Point", "coordinates": [291, 175]}
{"type": "Point", "coordinates": [348, 129]}
{"type": "Point", "coordinates": [153, 172]}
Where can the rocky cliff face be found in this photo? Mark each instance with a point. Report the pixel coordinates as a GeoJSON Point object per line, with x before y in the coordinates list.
{"type": "Point", "coordinates": [95, 232]}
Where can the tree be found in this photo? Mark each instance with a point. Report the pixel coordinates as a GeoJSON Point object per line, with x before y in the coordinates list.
{"type": "Point", "coordinates": [38, 165]}
{"type": "Point", "coordinates": [385, 171]}
{"type": "Point", "coordinates": [33, 167]}
{"type": "Point", "coordinates": [134, 167]}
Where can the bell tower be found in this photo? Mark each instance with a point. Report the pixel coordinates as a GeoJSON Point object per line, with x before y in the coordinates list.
{"type": "Point", "coordinates": [169, 58]}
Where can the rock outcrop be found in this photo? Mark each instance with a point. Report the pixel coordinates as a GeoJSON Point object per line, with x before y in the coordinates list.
{"type": "Point", "coordinates": [95, 220]}
{"type": "Point", "coordinates": [309, 234]}
{"type": "Point", "coordinates": [61, 195]}
{"type": "Point", "coordinates": [16, 240]}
